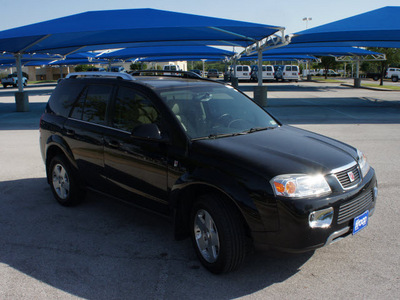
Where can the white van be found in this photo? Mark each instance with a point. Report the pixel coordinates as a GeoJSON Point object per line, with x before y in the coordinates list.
{"type": "Point", "coordinates": [268, 72]}
{"type": "Point", "coordinates": [171, 68]}
{"type": "Point", "coordinates": [242, 72]}
{"type": "Point", "coordinates": [291, 73]}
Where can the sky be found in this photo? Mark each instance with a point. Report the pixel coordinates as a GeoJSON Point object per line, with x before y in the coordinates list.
{"type": "Point", "coordinates": [286, 13]}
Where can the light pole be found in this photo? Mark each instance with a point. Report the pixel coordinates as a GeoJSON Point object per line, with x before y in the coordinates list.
{"type": "Point", "coordinates": [307, 19]}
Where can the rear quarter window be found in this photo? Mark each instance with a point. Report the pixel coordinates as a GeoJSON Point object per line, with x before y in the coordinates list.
{"type": "Point", "coordinates": [63, 97]}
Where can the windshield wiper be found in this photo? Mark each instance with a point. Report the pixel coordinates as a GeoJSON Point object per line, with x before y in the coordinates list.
{"type": "Point", "coordinates": [255, 129]}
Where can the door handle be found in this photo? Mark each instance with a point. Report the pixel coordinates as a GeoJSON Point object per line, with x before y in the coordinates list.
{"type": "Point", "coordinates": [70, 132]}
{"type": "Point", "coordinates": [114, 144]}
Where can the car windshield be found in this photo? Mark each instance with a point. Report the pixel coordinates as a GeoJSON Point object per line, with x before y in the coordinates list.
{"type": "Point", "coordinates": [214, 110]}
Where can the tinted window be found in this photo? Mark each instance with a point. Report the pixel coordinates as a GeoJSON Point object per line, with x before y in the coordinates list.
{"type": "Point", "coordinates": [132, 109]}
{"type": "Point", "coordinates": [288, 68]}
{"type": "Point", "coordinates": [64, 96]}
{"type": "Point", "coordinates": [269, 68]}
{"type": "Point", "coordinates": [240, 68]}
{"type": "Point", "coordinates": [246, 68]}
{"type": "Point", "coordinates": [92, 104]}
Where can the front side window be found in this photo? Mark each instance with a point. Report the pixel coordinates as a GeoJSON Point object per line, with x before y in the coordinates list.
{"type": "Point", "coordinates": [131, 109]}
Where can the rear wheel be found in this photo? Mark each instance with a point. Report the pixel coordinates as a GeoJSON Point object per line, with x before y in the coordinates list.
{"type": "Point", "coordinates": [395, 78]}
{"type": "Point", "coordinates": [63, 182]}
{"type": "Point", "coordinates": [218, 234]}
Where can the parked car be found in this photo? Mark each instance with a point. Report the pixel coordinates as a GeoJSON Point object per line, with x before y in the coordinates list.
{"type": "Point", "coordinates": [198, 72]}
{"type": "Point", "coordinates": [228, 174]}
{"type": "Point", "coordinates": [12, 79]}
{"type": "Point", "coordinates": [393, 74]}
{"type": "Point", "coordinates": [268, 72]}
{"type": "Point", "coordinates": [287, 72]}
{"type": "Point", "coordinates": [242, 72]}
{"type": "Point", "coordinates": [330, 73]}
{"type": "Point", "coordinates": [117, 69]}
{"type": "Point", "coordinates": [212, 73]}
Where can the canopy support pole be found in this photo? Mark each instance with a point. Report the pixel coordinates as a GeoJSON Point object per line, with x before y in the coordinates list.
{"type": "Point", "coordinates": [260, 64]}
{"type": "Point", "coordinates": [21, 97]}
{"type": "Point", "coordinates": [260, 91]}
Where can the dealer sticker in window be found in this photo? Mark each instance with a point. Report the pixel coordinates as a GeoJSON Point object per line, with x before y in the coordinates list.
{"type": "Point", "coordinates": [360, 222]}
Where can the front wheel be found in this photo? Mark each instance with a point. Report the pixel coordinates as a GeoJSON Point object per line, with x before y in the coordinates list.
{"type": "Point", "coordinates": [218, 234]}
{"type": "Point", "coordinates": [63, 182]}
{"type": "Point", "coordinates": [395, 79]}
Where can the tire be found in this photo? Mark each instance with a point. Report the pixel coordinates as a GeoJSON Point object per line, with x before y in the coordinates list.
{"type": "Point", "coordinates": [63, 182]}
{"type": "Point", "coordinates": [395, 78]}
{"type": "Point", "coordinates": [218, 234]}
{"type": "Point", "coordinates": [376, 78]}
{"type": "Point", "coordinates": [4, 86]}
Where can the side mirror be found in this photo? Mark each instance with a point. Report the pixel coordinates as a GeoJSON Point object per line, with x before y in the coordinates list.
{"type": "Point", "coordinates": [147, 131]}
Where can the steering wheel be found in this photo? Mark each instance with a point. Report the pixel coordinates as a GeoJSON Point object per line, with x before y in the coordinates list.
{"type": "Point", "coordinates": [237, 123]}
{"type": "Point", "coordinates": [225, 119]}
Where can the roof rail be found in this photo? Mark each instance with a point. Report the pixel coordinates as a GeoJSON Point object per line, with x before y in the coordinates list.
{"type": "Point", "coordinates": [118, 75]}
{"type": "Point", "coordinates": [184, 74]}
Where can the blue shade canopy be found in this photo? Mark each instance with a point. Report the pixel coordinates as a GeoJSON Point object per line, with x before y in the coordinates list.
{"type": "Point", "coordinates": [319, 51]}
{"type": "Point", "coordinates": [178, 58]}
{"type": "Point", "coordinates": [199, 51]}
{"type": "Point", "coordinates": [115, 28]}
{"type": "Point", "coordinates": [377, 28]}
{"type": "Point", "coordinates": [293, 57]}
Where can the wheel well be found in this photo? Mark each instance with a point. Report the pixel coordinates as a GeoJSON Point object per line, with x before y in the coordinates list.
{"type": "Point", "coordinates": [185, 203]}
{"type": "Point", "coordinates": [51, 152]}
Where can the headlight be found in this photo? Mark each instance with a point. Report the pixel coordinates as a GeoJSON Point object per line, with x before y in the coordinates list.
{"type": "Point", "coordinates": [300, 185]}
{"type": "Point", "coordinates": [362, 161]}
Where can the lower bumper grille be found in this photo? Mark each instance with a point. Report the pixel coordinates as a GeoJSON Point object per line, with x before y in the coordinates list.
{"type": "Point", "coordinates": [355, 207]}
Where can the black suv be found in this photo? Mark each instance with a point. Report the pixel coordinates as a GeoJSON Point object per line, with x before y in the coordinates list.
{"type": "Point", "coordinates": [229, 174]}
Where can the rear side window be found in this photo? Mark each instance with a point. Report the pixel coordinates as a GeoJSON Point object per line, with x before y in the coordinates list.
{"type": "Point", "coordinates": [64, 96]}
{"type": "Point", "coordinates": [92, 105]}
{"type": "Point", "coordinates": [131, 109]}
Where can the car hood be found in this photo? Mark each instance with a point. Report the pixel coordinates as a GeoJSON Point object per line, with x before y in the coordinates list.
{"type": "Point", "coordinates": [283, 150]}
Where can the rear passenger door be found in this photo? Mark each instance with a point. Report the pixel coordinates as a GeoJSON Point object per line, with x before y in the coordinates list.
{"type": "Point", "coordinates": [136, 167]}
{"type": "Point", "coordinates": [83, 131]}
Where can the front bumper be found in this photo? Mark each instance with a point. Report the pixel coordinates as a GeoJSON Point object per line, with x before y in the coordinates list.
{"type": "Point", "coordinates": [295, 233]}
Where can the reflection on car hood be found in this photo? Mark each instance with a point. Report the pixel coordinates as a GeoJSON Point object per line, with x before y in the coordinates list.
{"type": "Point", "coordinates": [282, 150]}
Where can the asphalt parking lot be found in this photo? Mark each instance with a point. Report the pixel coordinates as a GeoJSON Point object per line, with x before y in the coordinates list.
{"type": "Point", "coordinates": [106, 250]}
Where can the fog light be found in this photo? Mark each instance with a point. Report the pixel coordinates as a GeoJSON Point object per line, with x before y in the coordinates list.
{"type": "Point", "coordinates": [321, 218]}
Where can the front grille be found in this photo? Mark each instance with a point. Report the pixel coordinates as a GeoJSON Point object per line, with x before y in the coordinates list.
{"type": "Point", "coordinates": [344, 177]}
{"type": "Point", "coordinates": [355, 207]}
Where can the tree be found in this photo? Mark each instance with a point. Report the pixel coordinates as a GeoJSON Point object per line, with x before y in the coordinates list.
{"type": "Point", "coordinates": [138, 66]}
{"type": "Point", "coordinates": [392, 59]}
{"type": "Point", "coordinates": [327, 62]}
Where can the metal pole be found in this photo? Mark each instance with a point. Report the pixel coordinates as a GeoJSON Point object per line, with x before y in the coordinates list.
{"type": "Point", "coordinates": [19, 72]}
{"type": "Point", "coordinates": [260, 64]}
{"type": "Point", "coordinates": [358, 68]}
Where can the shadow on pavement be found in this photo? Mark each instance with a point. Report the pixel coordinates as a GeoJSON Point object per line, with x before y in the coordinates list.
{"type": "Point", "coordinates": [12, 120]}
{"type": "Point", "coordinates": [106, 250]}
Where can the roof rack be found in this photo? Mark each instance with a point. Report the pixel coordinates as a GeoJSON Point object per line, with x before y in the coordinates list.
{"type": "Point", "coordinates": [117, 75]}
{"type": "Point", "coordinates": [183, 74]}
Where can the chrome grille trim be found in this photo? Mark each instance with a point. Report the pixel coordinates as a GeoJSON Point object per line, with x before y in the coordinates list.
{"type": "Point", "coordinates": [343, 177]}
{"type": "Point", "coordinates": [350, 210]}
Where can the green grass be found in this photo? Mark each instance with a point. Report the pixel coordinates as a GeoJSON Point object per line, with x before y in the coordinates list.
{"type": "Point", "coordinates": [387, 87]}
{"type": "Point", "coordinates": [322, 79]}
{"type": "Point", "coordinates": [42, 81]}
